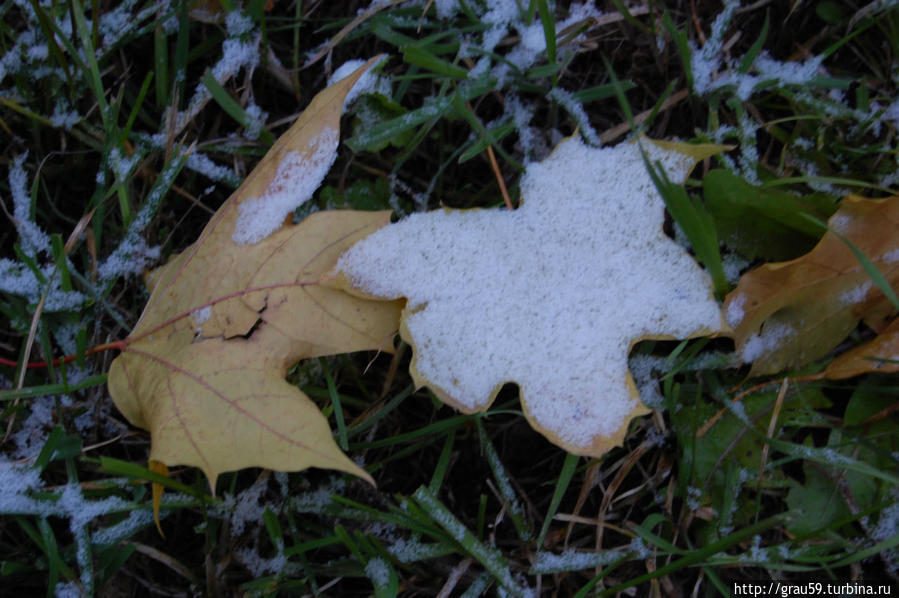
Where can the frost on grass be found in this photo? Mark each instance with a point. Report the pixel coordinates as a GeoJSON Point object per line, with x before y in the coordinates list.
{"type": "Point", "coordinates": [887, 528]}
{"type": "Point", "coordinates": [550, 296]}
{"type": "Point", "coordinates": [32, 238]}
{"type": "Point", "coordinates": [297, 178]}
{"type": "Point", "coordinates": [574, 560]}
{"type": "Point", "coordinates": [17, 487]}
{"type": "Point", "coordinates": [378, 571]}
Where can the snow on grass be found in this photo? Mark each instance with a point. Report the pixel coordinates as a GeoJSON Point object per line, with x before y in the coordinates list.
{"type": "Point", "coordinates": [17, 483]}
{"type": "Point", "coordinates": [411, 551]}
{"type": "Point", "coordinates": [574, 560]}
{"type": "Point", "coordinates": [589, 232]}
{"type": "Point", "coordinates": [576, 110]}
{"type": "Point", "coordinates": [887, 528]}
{"type": "Point", "coordinates": [18, 279]}
{"type": "Point", "coordinates": [378, 571]}
{"type": "Point", "coordinates": [31, 237]}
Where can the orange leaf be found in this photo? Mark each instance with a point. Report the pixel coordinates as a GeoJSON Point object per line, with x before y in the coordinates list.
{"type": "Point", "coordinates": [785, 315]}
{"type": "Point", "coordinates": [878, 355]}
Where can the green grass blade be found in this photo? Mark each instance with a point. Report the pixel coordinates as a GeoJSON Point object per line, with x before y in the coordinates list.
{"type": "Point", "coordinates": [488, 556]}
{"type": "Point", "coordinates": [338, 408]}
{"type": "Point", "coordinates": [424, 59]}
{"type": "Point", "coordinates": [696, 222]}
{"type": "Point", "coordinates": [568, 468]}
{"type": "Point", "coordinates": [230, 105]}
{"type": "Point", "coordinates": [31, 392]}
{"type": "Point", "coordinates": [504, 485]}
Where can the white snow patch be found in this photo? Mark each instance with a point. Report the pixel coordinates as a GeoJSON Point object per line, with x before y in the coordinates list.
{"type": "Point", "coordinates": [888, 527]}
{"type": "Point", "coordinates": [257, 121]}
{"type": "Point", "coordinates": [68, 589]}
{"type": "Point", "coordinates": [891, 256]}
{"type": "Point", "coordinates": [378, 571]}
{"type": "Point", "coordinates": [769, 340]}
{"type": "Point", "coordinates": [840, 222]}
{"type": "Point", "coordinates": [589, 232]}
{"type": "Point", "coordinates": [367, 83]}
{"type": "Point", "coordinates": [734, 313]}
{"type": "Point", "coordinates": [297, 178]}
{"type": "Point", "coordinates": [856, 294]}
{"type": "Point", "coordinates": [733, 264]}
{"type": "Point", "coordinates": [576, 110]}
{"type": "Point", "coordinates": [237, 23]}
{"type": "Point", "coordinates": [199, 316]}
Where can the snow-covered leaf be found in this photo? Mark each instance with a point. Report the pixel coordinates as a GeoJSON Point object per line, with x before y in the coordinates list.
{"type": "Point", "coordinates": [550, 296]}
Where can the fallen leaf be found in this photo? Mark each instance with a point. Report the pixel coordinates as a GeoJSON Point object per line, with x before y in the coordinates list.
{"type": "Point", "coordinates": [788, 314]}
{"type": "Point", "coordinates": [880, 355]}
{"type": "Point", "coordinates": [550, 296]}
{"type": "Point", "coordinates": [204, 368]}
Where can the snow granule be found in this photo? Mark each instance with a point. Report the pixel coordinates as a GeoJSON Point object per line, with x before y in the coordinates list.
{"type": "Point", "coordinates": [840, 222]}
{"type": "Point", "coordinates": [856, 294]}
{"type": "Point", "coordinates": [734, 313]}
{"type": "Point", "coordinates": [68, 589]}
{"type": "Point", "coordinates": [201, 315]}
{"type": "Point", "coordinates": [257, 121]}
{"type": "Point", "coordinates": [120, 164]}
{"type": "Point", "coordinates": [639, 549]}
{"type": "Point", "coordinates": [891, 256]}
{"type": "Point", "coordinates": [769, 340]}
{"type": "Point", "coordinates": [378, 572]}
{"type": "Point", "coordinates": [63, 118]}
{"type": "Point", "coordinates": [589, 233]}
{"type": "Point", "coordinates": [369, 82]}
{"type": "Point", "coordinates": [237, 23]}
{"type": "Point", "coordinates": [297, 178]}
{"type": "Point", "coordinates": [257, 565]}
{"type": "Point", "coordinates": [733, 264]}
{"type": "Point", "coordinates": [446, 8]}
{"type": "Point", "coordinates": [888, 527]}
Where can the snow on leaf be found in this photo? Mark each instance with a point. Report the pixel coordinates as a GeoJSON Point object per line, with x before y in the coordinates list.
{"type": "Point", "coordinates": [787, 314]}
{"type": "Point", "coordinates": [204, 368]}
{"type": "Point", "coordinates": [550, 296]}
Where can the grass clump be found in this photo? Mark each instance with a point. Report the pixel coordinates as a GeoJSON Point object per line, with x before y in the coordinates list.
{"type": "Point", "coordinates": [128, 124]}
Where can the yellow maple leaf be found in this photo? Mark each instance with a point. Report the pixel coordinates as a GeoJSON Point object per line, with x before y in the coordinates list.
{"type": "Point", "coordinates": [550, 296]}
{"type": "Point", "coordinates": [204, 368]}
{"type": "Point", "coordinates": [788, 314]}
